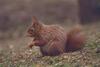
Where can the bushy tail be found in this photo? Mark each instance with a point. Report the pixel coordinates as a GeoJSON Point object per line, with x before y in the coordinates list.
{"type": "Point", "coordinates": [75, 39]}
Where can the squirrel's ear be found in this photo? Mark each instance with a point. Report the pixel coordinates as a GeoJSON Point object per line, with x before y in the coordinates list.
{"type": "Point", "coordinates": [34, 20]}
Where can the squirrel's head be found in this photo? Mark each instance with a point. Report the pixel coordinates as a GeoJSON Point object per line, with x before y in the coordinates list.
{"type": "Point", "coordinates": [34, 28]}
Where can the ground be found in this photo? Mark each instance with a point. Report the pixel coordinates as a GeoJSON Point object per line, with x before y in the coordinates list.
{"type": "Point", "coordinates": [14, 53]}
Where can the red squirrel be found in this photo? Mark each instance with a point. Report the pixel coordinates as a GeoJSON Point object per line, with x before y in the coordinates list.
{"type": "Point", "coordinates": [53, 39]}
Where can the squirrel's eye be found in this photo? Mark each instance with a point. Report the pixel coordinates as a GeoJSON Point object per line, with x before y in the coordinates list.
{"type": "Point", "coordinates": [32, 29]}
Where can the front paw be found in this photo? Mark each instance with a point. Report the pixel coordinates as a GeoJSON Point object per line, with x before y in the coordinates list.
{"type": "Point", "coordinates": [31, 45]}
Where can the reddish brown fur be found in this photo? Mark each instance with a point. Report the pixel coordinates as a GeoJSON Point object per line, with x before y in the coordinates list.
{"type": "Point", "coordinates": [75, 39]}
{"type": "Point", "coordinates": [52, 39]}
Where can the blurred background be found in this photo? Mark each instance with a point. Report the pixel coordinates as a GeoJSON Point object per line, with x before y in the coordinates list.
{"type": "Point", "coordinates": [16, 16]}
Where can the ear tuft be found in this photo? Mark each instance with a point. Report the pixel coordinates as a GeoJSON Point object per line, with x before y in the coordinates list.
{"type": "Point", "coordinates": [34, 20]}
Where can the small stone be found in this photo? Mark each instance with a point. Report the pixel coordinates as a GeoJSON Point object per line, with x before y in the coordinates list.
{"type": "Point", "coordinates": [98, 50]}
{"type": "Point", "coordinates": [65, 57]}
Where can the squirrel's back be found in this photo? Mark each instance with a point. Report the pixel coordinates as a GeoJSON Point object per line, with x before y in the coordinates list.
{"type": "Point", "coordinates": [56, 39]}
